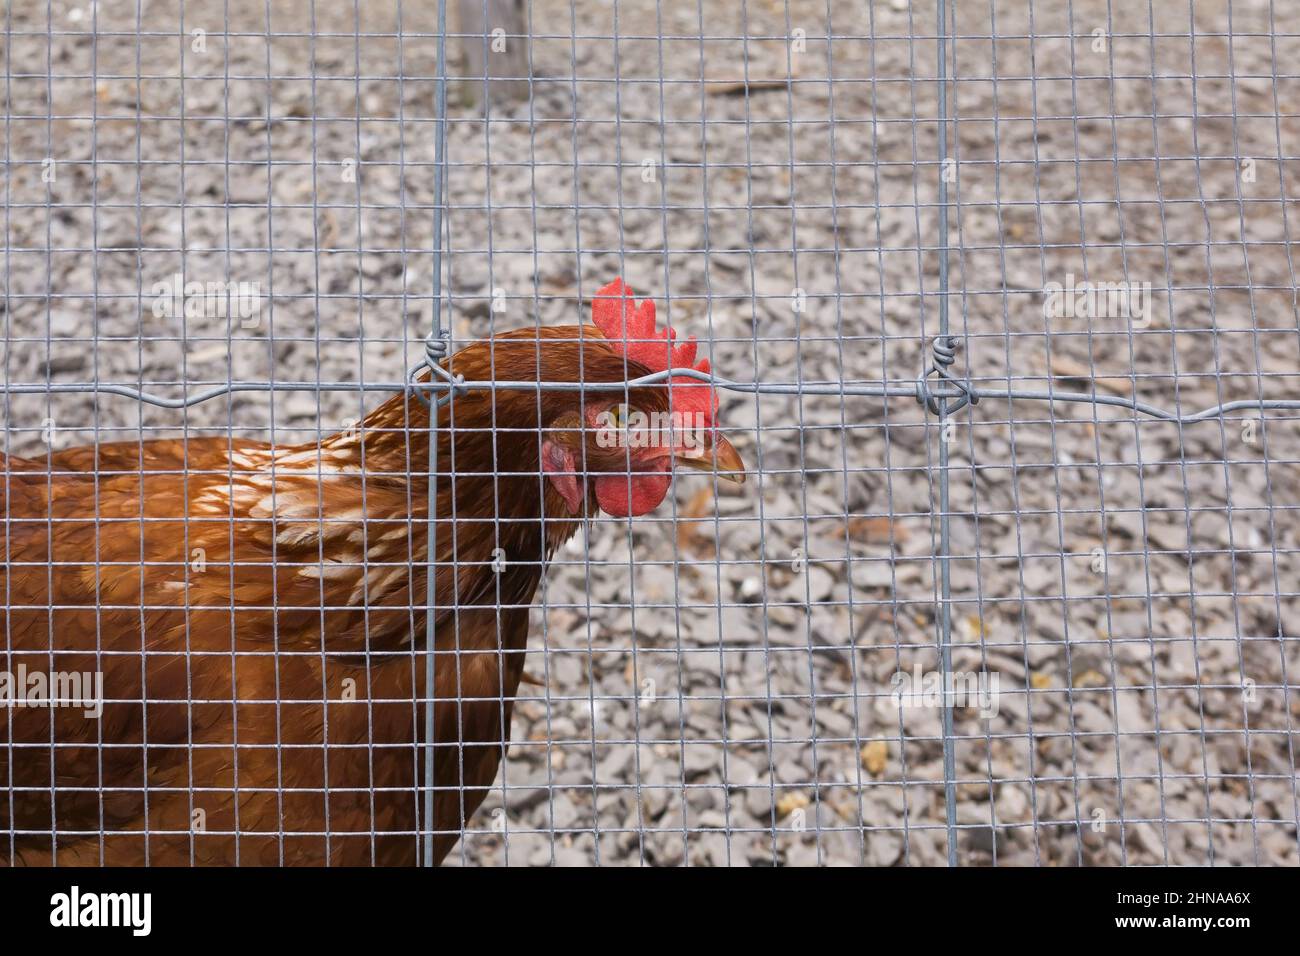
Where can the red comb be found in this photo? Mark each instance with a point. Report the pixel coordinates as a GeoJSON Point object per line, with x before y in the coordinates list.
{"type": "Point", "coordinates": [620, 319]}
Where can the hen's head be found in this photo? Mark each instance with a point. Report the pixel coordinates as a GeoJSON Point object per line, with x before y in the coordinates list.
{"type": "Point", "coordinates": [622, 446]}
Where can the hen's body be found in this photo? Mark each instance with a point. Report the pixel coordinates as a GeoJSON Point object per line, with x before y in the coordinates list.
{"type": "Point", "coordinates": [252, 611]}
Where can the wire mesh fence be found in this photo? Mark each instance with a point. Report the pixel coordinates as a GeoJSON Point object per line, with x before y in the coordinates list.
{"type": "Point", "coordinates": [1000, 301]}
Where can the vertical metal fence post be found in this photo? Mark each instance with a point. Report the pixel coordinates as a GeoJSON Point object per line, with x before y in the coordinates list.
{"type": "Point", "coordinates": [944, 617]}
{"type": "Point", "coordinates": [435, 348]}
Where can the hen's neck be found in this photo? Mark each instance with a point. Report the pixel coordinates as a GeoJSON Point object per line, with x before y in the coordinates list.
{"type": "Point", "coordinates": [393, 438]}
{"type": "Point", "coordinates": [491, 471]}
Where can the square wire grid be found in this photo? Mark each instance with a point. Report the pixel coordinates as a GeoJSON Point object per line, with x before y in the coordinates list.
{"type": "Point", "coordinates": [719, 677]}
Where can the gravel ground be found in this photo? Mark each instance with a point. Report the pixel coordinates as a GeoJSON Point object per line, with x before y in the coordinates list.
{"type": "Point", "coordinates": [717, 683]}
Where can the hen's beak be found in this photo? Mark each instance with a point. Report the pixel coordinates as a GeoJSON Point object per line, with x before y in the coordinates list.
{"type": "Point", "coordinates": [722, 460]}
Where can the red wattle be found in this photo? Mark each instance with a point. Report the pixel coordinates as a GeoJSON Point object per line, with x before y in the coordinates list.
{"type": "Point", "coordinates": [646, 492]}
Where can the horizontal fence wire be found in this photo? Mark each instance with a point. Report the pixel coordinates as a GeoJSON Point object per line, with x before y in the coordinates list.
{"type": "Point", "coordinates": [921, 389]}
{"type": "Point", "coordinates": [1001, 304]}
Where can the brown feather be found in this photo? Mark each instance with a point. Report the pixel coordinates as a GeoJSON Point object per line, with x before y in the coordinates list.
{"type": "Point", "coordinates": [252, 610]}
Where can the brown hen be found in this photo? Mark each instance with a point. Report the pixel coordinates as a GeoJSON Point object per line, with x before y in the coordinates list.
{"type": "Point", "coordinates": [251, 609]}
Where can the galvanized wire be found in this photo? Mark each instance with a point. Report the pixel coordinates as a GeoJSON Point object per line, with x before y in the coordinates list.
{"type": "Point", "coordinates": [939, 386]}
{"type": "Point", "coordinates": [435, 351]}
{"type": "Point", "coordinates": [957, 390]}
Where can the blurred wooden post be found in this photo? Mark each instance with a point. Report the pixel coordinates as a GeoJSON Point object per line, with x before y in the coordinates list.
{"type": "Point", "coordinates": [495, 44]}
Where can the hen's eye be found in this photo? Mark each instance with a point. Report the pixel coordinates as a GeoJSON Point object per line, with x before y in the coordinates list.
{"type": "Point", "coordinates": [619, 416]}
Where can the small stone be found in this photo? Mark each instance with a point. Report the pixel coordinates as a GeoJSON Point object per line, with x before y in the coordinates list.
{"type": "Point", "coordinates": [67, 360]}
{"type": "Point", "coordinates": [875, 756]}
{"type": "Point", "coordinates": [68, 325]}
{"type": "Point", "coordinates": [789, 802]}
{"type": "Point", "coordinates": [873, 574]}
{"type": "Point", "coordinates": [758, 800]}
{"type": "Point", "coordinates": [701, 759]}
{"type": "Point", "coordinates": [570, 856]}
{"type": "Point", "coordinates": [561, 814]}
{"type": "Point", "coordinates": [884, 848]}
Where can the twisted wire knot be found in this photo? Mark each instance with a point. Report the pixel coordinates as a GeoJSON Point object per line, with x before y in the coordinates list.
{"type": "Point", "coordinates": [435, 347]}
{"type": "Point", "coordinates": [944, 355]}
{"type": "Point", "coordinates": [435, 350]}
